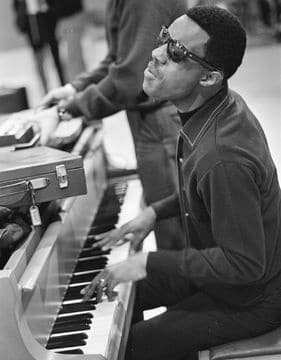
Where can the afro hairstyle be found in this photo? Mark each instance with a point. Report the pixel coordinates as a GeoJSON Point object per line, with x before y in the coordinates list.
{"type": "Point", "coordinates": [226, 46]}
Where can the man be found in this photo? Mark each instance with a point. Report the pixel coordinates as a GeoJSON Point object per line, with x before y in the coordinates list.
{"type": "Point", "coordinates": [132, 27]}
{"type": "Point", "coordinates": [227, 285]}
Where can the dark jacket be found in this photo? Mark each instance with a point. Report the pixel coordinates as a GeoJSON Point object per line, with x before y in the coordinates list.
{"type": "Point", "coordinates": [231, 204]}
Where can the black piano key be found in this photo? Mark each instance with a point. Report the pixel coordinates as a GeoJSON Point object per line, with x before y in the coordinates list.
{"type": "Point", "coordinates": [101, 219]}
{"type": "Point", "coordinates": [88, 265]}
{"type": "Point", "coordinates": [106, 216]}
{"type": "Point", "coordinates": [71, 338]}
{"type": "Point", "coordinates": [91, 239]}
{"type": "Point", "coordinates": [70, 327]}
{"type": "Point", "coordinates": [109, 199]}
{"type": "Point", "coordinates": [106, 205]}
{"type": "Point", "coordinates": [89, 252]}
{"type": "Point", "coordinates": [64, 328]}
{"type": "Point", "coordinates": [83, 278]}
{"type": "Point", "coordinates": [69, 319]}
{"type": "Point", "coordinates": [73, 351]}
{"type": "Point", "coordinates": [100, 229]}
{"type": "Point", "coordinates": [65, 344]}
{"type": "Point", "coordinates": [78, 307]}
{"type": "Point", "coordinates": [61, 324]}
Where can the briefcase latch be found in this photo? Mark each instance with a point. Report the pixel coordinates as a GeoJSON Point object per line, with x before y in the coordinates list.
{"type": "Point", "coordinates": [62, 176]}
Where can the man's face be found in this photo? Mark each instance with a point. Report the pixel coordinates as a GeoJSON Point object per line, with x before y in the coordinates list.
{"type": "Point", "coordinates": [165, 79]}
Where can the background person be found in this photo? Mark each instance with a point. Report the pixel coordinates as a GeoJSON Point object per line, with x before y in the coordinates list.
{"type": "Point", "coordinates": [131, 28]}
{"type": "Point", "coordinates": [40, 27]}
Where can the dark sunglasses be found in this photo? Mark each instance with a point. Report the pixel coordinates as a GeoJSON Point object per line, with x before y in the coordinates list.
{"type": "Point", "coordinates": [178, 52]}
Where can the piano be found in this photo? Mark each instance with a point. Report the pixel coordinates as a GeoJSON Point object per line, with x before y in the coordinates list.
{"type": "Point", "coordinates": [42, 316]}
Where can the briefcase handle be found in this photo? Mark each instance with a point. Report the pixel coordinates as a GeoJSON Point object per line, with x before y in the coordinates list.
{"type": "Point", "coordinates": [13, 193]}
{"type": "Point", "coordinates": [28, 144]}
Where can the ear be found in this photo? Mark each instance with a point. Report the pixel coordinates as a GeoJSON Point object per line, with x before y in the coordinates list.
{"type": "Point", "coordinates": [211, 78]}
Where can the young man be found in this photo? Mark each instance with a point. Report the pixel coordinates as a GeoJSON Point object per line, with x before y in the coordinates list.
{"type": "Point", "coordinates": [132, 27]}
{"type": "Point", "coordinates": [227, 285]}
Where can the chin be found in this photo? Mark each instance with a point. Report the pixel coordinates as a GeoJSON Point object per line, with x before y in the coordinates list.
{"type": "Point", "coordinates": [146, 88]}
{"type": "Point", "coordinates": [150, 90]}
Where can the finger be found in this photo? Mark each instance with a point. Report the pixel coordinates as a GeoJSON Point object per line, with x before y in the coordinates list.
{"type": "Point", "coordinates": [89, 290]}
{"type": "Point", "coordinates": [85, 290]}
{"type": "Point", "coordinates": [100, 243]}
{"type": "Point", "coordinates": [108, 241]}
{"type": "Point", "coordinates": [99, 290]}
{"type": "Point", "coordinates": [62, 103]}
{"type": "Point", "coordinates": [110, 244]}
{"type": "Point", "coordinates": [137, 244]}
{"type": "Point", "coordinates": [101, 239]}
{"type": "Point", "coordinates": [122, 241]}
{"type": "Point", "coordinates": [109, 291]}
{"type": "Point", "coordinates": [112, 295]}
{"type": "Point", "coordinates": [103, 235]}
{"type": "Point", "coordinates": [47, 100]}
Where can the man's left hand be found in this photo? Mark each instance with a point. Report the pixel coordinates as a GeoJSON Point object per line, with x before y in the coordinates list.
{"type": "Point", "coordinates": [132, 269]}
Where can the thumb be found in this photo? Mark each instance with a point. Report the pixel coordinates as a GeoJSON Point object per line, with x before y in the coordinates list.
{"type": "Point", "coordinates": [47, 101]}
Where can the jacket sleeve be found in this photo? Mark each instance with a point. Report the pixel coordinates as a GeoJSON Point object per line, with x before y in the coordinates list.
{"type": "Point", "coordinates": [167, 207]}
{"type": "Point", "coordinates": [138, 27]}
{"type": "Point", "coordinates": [232, 199]}
{"type": "Point", "coordinates": [82, 81]}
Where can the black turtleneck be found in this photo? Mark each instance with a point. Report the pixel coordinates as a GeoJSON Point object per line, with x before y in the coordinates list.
{"type": "Point", "coordinates": [185, 116]}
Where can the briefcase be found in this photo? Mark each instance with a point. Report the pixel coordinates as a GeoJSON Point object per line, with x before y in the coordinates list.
{"type": "Point", "coordinates": [39, 174]}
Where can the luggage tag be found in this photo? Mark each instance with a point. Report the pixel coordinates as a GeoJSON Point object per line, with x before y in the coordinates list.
{"type": "Point", "coordinates": [34, 210]}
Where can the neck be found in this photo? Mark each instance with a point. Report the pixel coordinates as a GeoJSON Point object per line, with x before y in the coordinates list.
{"type": "Point", "coordinates": [196, 100]}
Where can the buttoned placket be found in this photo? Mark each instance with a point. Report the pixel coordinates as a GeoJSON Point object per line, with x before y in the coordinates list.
{"type": "Point", "coordinates": [182, 192]}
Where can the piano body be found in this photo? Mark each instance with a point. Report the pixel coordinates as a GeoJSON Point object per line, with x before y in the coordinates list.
{"type": "Point", "coordinates": [36, 281]}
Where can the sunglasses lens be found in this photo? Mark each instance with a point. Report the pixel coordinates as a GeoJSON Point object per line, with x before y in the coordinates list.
{"type": "Point", "coordinates": [175, 52]}
{"type": "Point", "coordinates": [163, 37]}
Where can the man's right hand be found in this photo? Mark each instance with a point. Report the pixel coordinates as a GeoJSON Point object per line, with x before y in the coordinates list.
{"type": "Point", "coordinates": [134, 231]}
{"type": "Point", "coordinates": [65, 92]}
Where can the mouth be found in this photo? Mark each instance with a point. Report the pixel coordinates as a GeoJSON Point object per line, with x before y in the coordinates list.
{"type": "Point", "coordinates": [150, 71]}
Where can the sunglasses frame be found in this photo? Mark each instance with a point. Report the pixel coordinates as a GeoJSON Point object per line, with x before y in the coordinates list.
{"type": "Point", "coordinates": [186, 53]}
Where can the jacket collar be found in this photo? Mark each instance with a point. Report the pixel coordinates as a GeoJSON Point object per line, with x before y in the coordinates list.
{"type": "Point", "coordinates": [196, 125]}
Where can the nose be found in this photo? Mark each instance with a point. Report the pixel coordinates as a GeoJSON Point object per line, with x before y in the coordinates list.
{"type": "Point", "coordinates": [159, 54]}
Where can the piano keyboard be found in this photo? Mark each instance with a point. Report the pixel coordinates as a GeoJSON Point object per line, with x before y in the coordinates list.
{"type": "Point", "coordinates": [85, 327]}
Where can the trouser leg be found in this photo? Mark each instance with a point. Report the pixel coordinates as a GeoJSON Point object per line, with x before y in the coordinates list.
{"type": "Point", "coordinates": [197, 323]}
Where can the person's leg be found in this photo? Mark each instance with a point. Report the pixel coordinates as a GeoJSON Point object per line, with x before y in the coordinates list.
{"type": "Point", "coordinates": [51, 39]}
{"type": "Point", "coordinates": [39, 60]}
{"type": "Point", "coordinates": [54, 47]}
{"type": "Point", "coordinates": [198, 323]}
{"type": "Point", "coordinates": [160, 290]}
{"type": "Point", "coordinates": [155, 136]}
{"type": "Point", "coordinates": [70, 31]}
